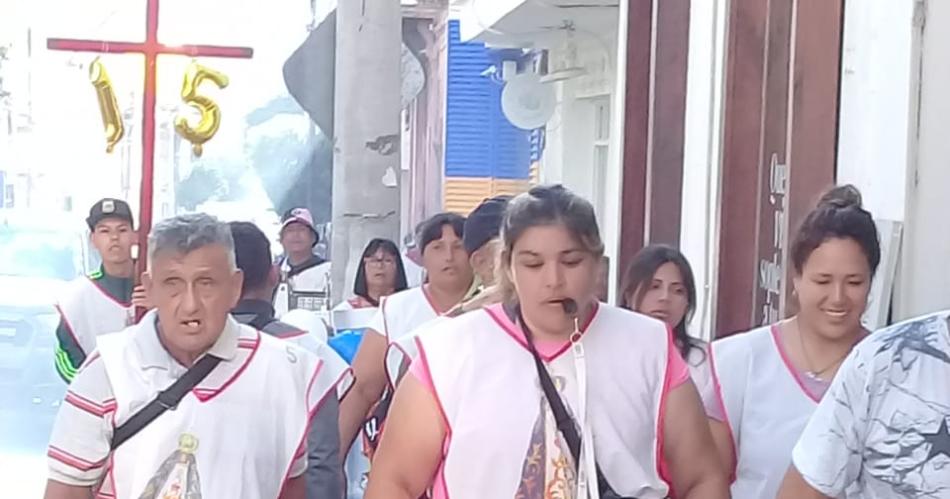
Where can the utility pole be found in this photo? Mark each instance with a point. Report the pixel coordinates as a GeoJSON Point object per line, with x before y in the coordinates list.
{"type": "Point", "coordinates": [367, 105]}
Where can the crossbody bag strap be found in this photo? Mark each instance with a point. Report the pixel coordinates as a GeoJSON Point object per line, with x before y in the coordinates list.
{"type": "Point", "coordinates": [565, 423]}
{"type": "Point", "coordinates": [166, 399]}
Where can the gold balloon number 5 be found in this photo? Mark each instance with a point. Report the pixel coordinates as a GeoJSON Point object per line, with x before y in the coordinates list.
{"type": "Point", "coordinates": [209, 112]}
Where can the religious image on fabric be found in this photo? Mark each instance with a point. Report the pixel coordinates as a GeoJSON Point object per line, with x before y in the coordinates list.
{"type": "Point", "coordinates": [548, 470]}
{"type": "Point", "coordinates": [177, 477]}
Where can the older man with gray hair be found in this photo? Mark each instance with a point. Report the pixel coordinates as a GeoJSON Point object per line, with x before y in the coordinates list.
{"type": "Point", "coordinates": [184, 403]}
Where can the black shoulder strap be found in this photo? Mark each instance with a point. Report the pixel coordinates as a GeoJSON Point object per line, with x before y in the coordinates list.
{"type": "Point", "coordinates": [166, 399]}
{"type": "Point", "coordinates": [565, 423]}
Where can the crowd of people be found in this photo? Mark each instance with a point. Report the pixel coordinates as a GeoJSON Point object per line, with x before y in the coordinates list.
{"type": "Point", "coordinates": [502, 373]}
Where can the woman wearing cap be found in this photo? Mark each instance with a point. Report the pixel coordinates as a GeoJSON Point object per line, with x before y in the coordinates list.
{"type": "Point", "coordinates": [300, 268]}
{"type": "Point", "coordinates": [476, 417]}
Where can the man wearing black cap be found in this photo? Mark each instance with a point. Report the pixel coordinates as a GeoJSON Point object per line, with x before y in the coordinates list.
{"type": "Point", "coordinates": [104, 301]}
{"type": "Point", "coordinates": [324, 475]}
{"type": "Point", "coordinates": [301, 270]}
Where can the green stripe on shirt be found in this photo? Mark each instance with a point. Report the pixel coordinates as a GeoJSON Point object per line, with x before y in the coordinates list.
{"type": "Point", "coordinates": [64, 366]}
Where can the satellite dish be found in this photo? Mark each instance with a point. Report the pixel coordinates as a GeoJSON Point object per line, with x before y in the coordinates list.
{"type": "Point", "coordinates": [527, 102]}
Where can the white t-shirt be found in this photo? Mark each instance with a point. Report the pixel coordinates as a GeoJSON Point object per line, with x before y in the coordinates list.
{"type": "Point", "coordinates": [882, 428]}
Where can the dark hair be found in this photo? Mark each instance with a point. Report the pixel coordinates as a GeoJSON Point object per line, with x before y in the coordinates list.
{"type": "Point", "coordinates": [252, 252]}
{"type": "Point", "coordinates": [548, 205]}
{"type": "Point", "coordinates": [636, 283]}
{"type": "Point", "coordinates": [359, 284]}
{"type": "Point", "coordinates": [431, 229]}
{"type": "Point", "coordinates": [839, 215]}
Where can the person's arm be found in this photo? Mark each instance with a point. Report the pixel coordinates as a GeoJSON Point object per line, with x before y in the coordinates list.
{"type": "Point", "coordinates": [411, 448]}
{"type": "Point", "coordinates": [79, 443]}
{"type": "Point", "coordinates": [295, 488]}
{"type": "Point", "coordinates": [57, 490]}
{"type": "Point", "coordinates": [828, 456]}
{"type": "Point", "coordinates": [725, 449]}
{"type": "Point", "coordinates": [689, 449]}
{"type": "Point", "coordinates": [324, 471]}
{"type": "Point", "coordinates": [795, 487]}
{"type": "Point", "coordinates": [369, 371]}
{"type": "Point", "coordinates": [69, 353]}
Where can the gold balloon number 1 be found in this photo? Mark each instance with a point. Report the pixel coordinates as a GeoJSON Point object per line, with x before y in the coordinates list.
{"type": "Point", "coordinates": [209, 113]}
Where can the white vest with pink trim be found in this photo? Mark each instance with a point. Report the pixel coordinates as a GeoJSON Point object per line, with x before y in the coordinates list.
{"type": "Point", "coordinates": [404, 312]}
{"type": "Point", "coordinates": [235, 435]}
{"type": "Point", "coordinates": [499, 428]}
{"type": "Point", "coordinates": [766, 407]}
{"type": "Point", "coordinates": [90, 312]}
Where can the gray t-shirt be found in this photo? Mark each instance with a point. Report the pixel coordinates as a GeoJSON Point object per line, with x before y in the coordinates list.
{"type": "Point", "coordinates": [881, 431]}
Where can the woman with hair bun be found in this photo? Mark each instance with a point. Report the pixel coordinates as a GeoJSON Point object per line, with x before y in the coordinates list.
{"type": "Point", "coordinates": [768, 382]}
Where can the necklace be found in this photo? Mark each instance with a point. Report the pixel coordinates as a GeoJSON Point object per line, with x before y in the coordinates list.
{"type": "Point", "coordinates": [811, 372]}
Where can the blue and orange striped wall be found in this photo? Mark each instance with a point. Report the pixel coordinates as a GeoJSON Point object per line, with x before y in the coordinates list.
{"type": "Point", "coordinates": [485, 155]}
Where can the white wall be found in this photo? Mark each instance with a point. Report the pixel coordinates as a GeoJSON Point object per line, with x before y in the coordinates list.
{"type": "Point", "coordinates": [924, 284]}
{"type": "Point", "coordinates": [894, 126]}
{"type": "Point", "coordinates": [877, 128]}
{"type": "Point", "coordinates": [569, 153]}
{"type": "Point", "coordinates": [699, 233]}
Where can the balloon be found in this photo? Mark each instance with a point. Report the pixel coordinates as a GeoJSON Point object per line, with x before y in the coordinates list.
{"type": "Point", "coordinates": [108, 106]}
{"type": "Point", "coordinates": [210, 113]}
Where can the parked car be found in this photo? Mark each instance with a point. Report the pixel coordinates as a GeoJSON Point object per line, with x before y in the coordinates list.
{"type": "Point", "coordinates": [37, 259]}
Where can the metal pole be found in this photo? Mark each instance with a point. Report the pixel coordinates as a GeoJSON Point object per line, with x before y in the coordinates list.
{"type": "Point", "coordinates": [367, 106]}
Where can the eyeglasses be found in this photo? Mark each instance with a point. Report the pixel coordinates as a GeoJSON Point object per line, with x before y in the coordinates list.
{"type": "Point", "coordinates": [382, 262]}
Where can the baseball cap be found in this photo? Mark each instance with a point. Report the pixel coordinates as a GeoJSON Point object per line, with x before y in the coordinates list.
{"type": "Point", "coordinates": [109, 208]}
{"type": "Point", "coordinates": [484, 223]}
{"type": "Point", "coordinates": [301, 216]}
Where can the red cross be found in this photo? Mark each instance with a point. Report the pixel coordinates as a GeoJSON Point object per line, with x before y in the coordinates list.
{"type": "Point", "coordinates": [150, 48]}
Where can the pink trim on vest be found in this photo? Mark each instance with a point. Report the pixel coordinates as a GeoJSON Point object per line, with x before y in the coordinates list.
{"type": "Point", "coordinates": [497, 313]}
{"type": "Point", "coordinates": [673, 378]}
{"type": "Point", "coordinates": [206, 394]}
{"type": "Point", "coordinates": [792, 371]}
{"type": "Point", "coordinates": [69, 329]}
{"type": "Point", "coordinates": [306, 431]}
{"type": "Point", "coordinates": [717, 387]}
{"type": "Point", "coordinates": [110, 478]}
{"type": "Point", "coordinates": [405, 355]}
{"type": "Point", "coordinates": [382, 310]}
{"type": "Point", "coordinates": [107, 295]}
{"type": "Point", "coordinates": [429, 300]}
{"type": "Point", "coordinates": [439, 488]}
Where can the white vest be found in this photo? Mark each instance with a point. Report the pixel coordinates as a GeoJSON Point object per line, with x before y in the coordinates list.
{"type": "Point", "coordinates": [401, 352]}
{"type": "Point", "coordinates": [766, 407]}
{"type": "Point", "coordinates": [89, 312]}
{"type": "Point", "coordinates": [236, 434]}
{"type": "Point", "coordinates": [487, 386]}
{"type": "Point", "coordinates": [405, 311]}
{"type": "Point", "coordinates": [314, 279]}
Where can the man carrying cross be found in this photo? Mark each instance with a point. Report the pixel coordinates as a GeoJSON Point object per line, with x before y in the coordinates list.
{"type": "Point", "coordinates": [184, 404]}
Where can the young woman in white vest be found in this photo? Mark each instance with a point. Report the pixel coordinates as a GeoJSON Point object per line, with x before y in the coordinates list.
{"type": "Point", "coordinates": [473, 419]}
{"type": "Point", "coordinates": [768, 382]}
{"type": "Point", "coordinates": [660, 283]}
{"type": "Point", "coordinates": [449, 280]}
